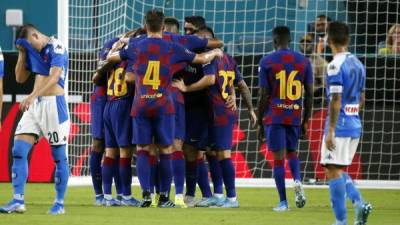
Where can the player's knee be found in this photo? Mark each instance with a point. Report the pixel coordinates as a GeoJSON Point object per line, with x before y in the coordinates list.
{"type": "Point", "coordinates": [332, 172]}
{"type": "Point", "coordinates": [21, 149]}
{"type": "Point", "coordinates": [59, 154]}
{"type": "Point", "coordinates": [98, 145]}
{"type": "Point", "coordinates": [221, 155]}
{"type": "Point", "coordinates": [111, 152]}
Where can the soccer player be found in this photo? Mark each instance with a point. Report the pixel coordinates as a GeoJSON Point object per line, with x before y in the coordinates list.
{"type": "Point", "coordinates": [152, 59]}
{"type": "Point", "coordinates": [193, 24]}
{"type": "Point", "coordinates": [45, 113]}
{"type": "Point", "coordinates": [171, 25]}
{"type": "Point", "coordinates": [281, 77]}
{"type": "Point", "coordinates": [346, 96]}
{"type": "Point", "coordinates": [1, 83]}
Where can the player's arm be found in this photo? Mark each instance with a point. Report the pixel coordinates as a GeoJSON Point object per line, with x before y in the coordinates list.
{"type": "Point", "coordinates": [206, 57]}
{"type": "Point", "coordinates": [308, 99]}
{"type": "Point", "coordinates": [262, 106]}
{"type": "Point", "coordinates": [246, 95]}
{"type": "Point", "coordinates": [51, 80]}
{"type": "Point", "coordinates": [204, 82]}
{"type": "Point", "coordinates": [215, 43]}
{"type": "Point", "coordinates": [21, 73]}
{"type": "Point", "coordinates": [362, 100]}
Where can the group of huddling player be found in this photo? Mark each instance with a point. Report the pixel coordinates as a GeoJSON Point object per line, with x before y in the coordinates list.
{"type": "Point", "coordinates": [173, 96]}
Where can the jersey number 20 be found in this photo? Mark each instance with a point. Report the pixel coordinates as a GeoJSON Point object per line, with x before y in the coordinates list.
{"type": "Point", "coordinates": [152, 76]}
{"type": "Point", "coordinates": [289, 87]}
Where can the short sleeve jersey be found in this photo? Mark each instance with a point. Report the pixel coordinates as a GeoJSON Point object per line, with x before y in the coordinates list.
{"type": "Point", "coordinates": [283, 73]}
{"type": "Point", "coordinates": [346, 76]}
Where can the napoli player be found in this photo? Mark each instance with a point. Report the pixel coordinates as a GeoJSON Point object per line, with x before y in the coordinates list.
{"type": "Point", "coordinates": [281, 77]}
{"type": "Point", "coordinates": [1, 83]}
{"type": "Point", "coordinates": [346, 96]}
{"type": "Point", "coordinates": [45, 113]}
{"type": "Point", "coordinates": [153, 110]}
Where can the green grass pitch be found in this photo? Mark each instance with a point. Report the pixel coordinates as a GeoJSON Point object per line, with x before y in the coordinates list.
{"type": "Point", "coordinates": [255, 208]}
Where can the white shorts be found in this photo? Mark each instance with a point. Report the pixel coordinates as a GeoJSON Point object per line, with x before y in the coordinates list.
{"type": "Point", "coordinates": [48, 117]}
{"type": "Point", "coordinates": [343, 154]}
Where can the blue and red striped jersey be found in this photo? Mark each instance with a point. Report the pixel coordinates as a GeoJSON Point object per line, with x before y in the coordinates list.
{"type": "Point", "coordinates": [283, 73]}
{"type": "Point", "coordinates": [153, 61]}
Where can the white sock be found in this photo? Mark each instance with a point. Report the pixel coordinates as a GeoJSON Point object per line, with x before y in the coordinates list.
{"type": "Point", "coordinates": [232, 199]}
{"type": "Point", "coordinates": [107, 197]}
{"type": "Point", "coordinates": [219, 195]}
{"type": "Point", "coordinates": [19, 197]}
{"type": "Point", "coordinates": [179, 196]}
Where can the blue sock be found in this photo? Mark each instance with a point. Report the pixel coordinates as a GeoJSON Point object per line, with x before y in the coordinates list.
{"type": "Point", "coordinates": [165, 174]}
{"type": "Point", "coordinates": [117, 177]}
{"type": "Point", "coordinates": [202, 179]}
{"type": "Point", "coordinates": [154, 175]}
{"type": "Point", "coordinates": [19, 169]}
{"type": "Point", "coordinates": [337, 191]}
{"type": "Point", "coordinates": [178, 168]}
{"type": "Point", "coordinates": [216, 174]}
{"type": "Point", "coordinates": [61, 175]}
{"type": "Point", "coordinates": [125, 171]}
{"type": "Point", "coordinates": [351, 191]}
{"type": "Point", "coordinates": [95, 171]}
{"type": "Point", "coordinates": [279, 176]}
{"type": "Point", "coordinates": [191, 178]}
{"type": "Point", "coordinates": [228, 174]}
{"type": "Point", "coordinates": [294, 165]}
{"type": "Point", "coordinates": [107, 172]}
{"type": "Point", "coordinates": [143, 169]}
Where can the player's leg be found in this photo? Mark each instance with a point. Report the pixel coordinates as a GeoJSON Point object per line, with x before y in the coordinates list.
{"type": "Point", "coordinates": [142, 136]}
{"type": "Point", "coordinates": [203, 181]}
{"type": "Point", "coordinates": [276, 141]}
{"type": "Point", "coordinates": [97, 151]}
{"type": "Point", "coordinates": [165, 128]}
{"type": "Point", "coordinates": [216, 176]}
{"type": "Point", "coordinates": [154, 176]}
{"type": "Point", "coordinates": [292, 137]}
{"type": "Point", "coordinates": [61, 175]}
{"type": "Point", "coordinates": [190, 173]}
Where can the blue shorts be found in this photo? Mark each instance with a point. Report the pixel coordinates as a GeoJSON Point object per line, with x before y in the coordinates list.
{"type": "Point", "coordinates": [161, 128]}
{"type": "Point", "coordinates": [222, 136]}
{"type": "Point", "coordinates": [280, 137]}
{"type": "Point", "coordinates": [96, 117]}
{"type": "Point", "coordinates": [197, 129]}
{"type": "Point", "coordinates": [118, 123]}
{"type": "Point", "coordinates": [179, 121]}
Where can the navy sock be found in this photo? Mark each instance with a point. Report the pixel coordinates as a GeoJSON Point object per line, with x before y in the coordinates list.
{"type": "Point", "coordinates": [107, 172]}
{"type": "Point", "coordinates": [165, 173]}
{"type": "Point", "coordinates": [95, 171]}
{"type": "Point", "coordinates": [125, 172]}
{"type": "Point", "coordinates": [143, 169]}
{"type": "Point", "coordinates": [61, 174]}
{"type": "Point", "coordinates": [279, 176]}
{"type": "Point", "coordinates": [294, 165]}
{"type": "Point", "coordinates": [228, 174]}
{"type": "Point", "coordinates": [202, 178]}
{"type": "Point", "coordinates": [117, 177]}
{"type": "Point", "coordinates": [178, 168]}
{"type": "Point", "coordinates": [20, 153]}
{"type": "Point", "coordinates": [216, 174]}
{"type": "Point", "coordinates": [351, 191]}
{"type": "Point", "coordinates": [154, 176]}
{"type": "Point", "coordinates": [191, 177]}
{"type": "Point", "coordinates": [337, 191]}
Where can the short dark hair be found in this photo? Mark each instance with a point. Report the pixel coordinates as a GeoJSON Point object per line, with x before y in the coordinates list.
{"type": "Point", "coordinates": [197, 21]}
{"type": "Point", "coordinates": [208, 30]}
{"type": "Point", "coordinates": [281, 35]}
{"type": "Point", "coordinates": [23, 31]}
{"type": "Point", "coordinates": [322, 16]}
{"type": "Point", "coordinates": [154, 20]}
{"type": "Point", "coordinates": [172, 21]}
{"type": "Point", "coordinates": [338, 33]}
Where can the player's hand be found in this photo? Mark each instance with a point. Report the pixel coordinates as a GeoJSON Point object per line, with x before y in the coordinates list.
{"type": "Point", "coordinates": [117, 46]}
{"type": "Point", "coordinates": [253, 118]}
{"type": "Point", "coordinates": [330, 141]}
{"type": "Point", "coordinates": [180, 85]}
{"type": "Point", "coordinates": [20, 48]}
{"type": "Point", "coordinates": [261, 134]}
{"type": "Point", "coordinates": [218, 53]}
{"type": "Point", "coordinates": [231, 102]}
{"type": "Point", "coordinates": [304, 129]}
{"type": "Point", "coordinates": [24, 105]}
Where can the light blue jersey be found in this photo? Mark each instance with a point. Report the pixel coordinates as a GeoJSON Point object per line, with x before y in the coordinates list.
{"type": "Point", "coordinates": [1, 64]}
{"type": "Point", "coordinates": [346, 76]}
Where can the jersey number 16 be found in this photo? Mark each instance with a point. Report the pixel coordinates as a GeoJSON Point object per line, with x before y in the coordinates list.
{"type": "Point", "coordinates": [289, 87]}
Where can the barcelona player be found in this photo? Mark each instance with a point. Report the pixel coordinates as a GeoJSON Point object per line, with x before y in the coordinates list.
{"type": "Point", "coordinates": [153, 111]}
{"type": "Point", "coordinates": [346, 94]}
{"type": "Point", "coordinates": [282, 76]}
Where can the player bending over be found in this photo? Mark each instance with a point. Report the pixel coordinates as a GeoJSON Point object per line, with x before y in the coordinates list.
{"type": "Point", "coordinates": [346, 95]}
{"type": "Point", "coordinates": [281, 77]}
{"type": "Point", "coordinates": [153, 111]}
{"type": "Point", "coordinates": [45, 113]}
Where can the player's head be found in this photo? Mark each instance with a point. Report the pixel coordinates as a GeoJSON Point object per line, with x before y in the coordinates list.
{"type": "Point", "coordinates": [338, 34]}
{"type": "Point", "coordinates": [307, 44]}
{"type": "Point", "coordinates": [321, 24]}
{"type": "Point", "coordinates": [194, 23]}
{"type": "Point", "coordinates": [32, 35]}
{"type": "Point", "coordinates": [154, 21]}
{"type": "Point", "coordinates": [171, 25]}
{"type": "Point", "coordinates": [281, 37]}
{"type": "Point", "coordinates": [205, 32]}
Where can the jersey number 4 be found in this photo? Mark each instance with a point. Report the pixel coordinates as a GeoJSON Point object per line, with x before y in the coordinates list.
{"type": "Point", "coordinates": [289, 87]}
{"type": "Point", "coordinates": [152, 76]}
